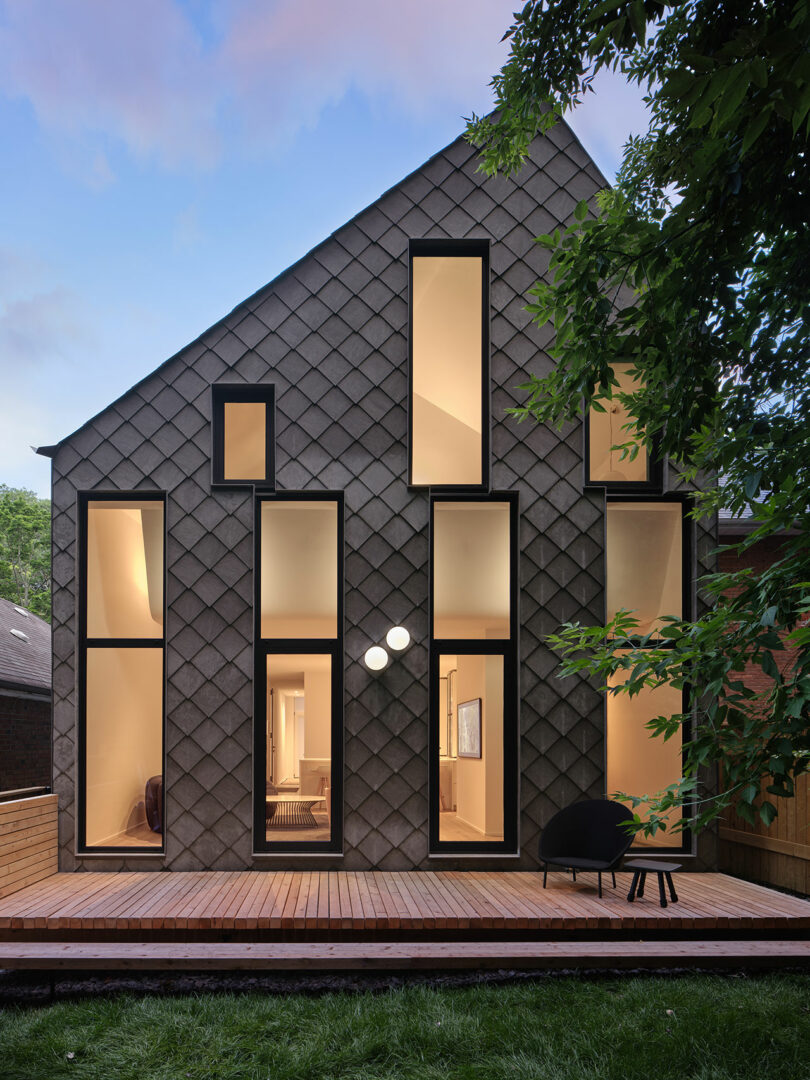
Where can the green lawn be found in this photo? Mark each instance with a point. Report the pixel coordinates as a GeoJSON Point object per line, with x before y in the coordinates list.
{"type": "Point", "coordinates": [691, 1028]}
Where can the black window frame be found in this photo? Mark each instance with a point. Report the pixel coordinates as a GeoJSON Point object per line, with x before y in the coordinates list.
{"type": "Point", "coordinates": [509, 649]}
{"type": "Point", "coordinates": [686, 499]}
{"type": "Point", "coordinates": [84, 643]}
{"type": "Point", "coordinates": [265, 647]}
{"type": "Point", "coordinates": [468, 248]}
{"type": "Point", "coordinates": [227, 393]}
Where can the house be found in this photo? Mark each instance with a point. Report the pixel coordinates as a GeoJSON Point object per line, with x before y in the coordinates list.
{"type": "Point", "coordinates": [25, 699]}
{"type": "Point", "coordinates": [777, 854]}
{"type": "Point", "coordinates": [245, 540]}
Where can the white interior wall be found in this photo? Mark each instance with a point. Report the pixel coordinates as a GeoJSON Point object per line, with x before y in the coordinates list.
{"type": "Point", "coordinates": [644, 560]}
{"type": "Point", "coordinates": [471, 570]}
{"type": "Point", "coordinates": [318, 698]}
{"type": "Point", "coordinates": [299, 569]}
{"type": "Point", "coordinates": [124, 570]}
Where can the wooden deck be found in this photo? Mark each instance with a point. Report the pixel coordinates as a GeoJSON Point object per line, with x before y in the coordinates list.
{"type": "Point", "coordinates": [342, 905]}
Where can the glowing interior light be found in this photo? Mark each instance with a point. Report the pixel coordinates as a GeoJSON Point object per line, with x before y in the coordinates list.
{"type": "Point", "coordinates": [376, 658]}
{"type": "Point", "coordinates": [398, 638]}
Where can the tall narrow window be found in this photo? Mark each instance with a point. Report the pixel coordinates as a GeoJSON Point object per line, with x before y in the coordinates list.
{"type": "Point", "coordinates": [242, 428]}
{"type": "Point", "coordinates": [637, 763]}
{"type": "Point", "coordinates": [121, 672]}
{"type": "Point", "coordinates": [449, 353]}
{"type": "Point", "coordinates": [299, 666]}
{"type": "Point", "coordinates": [473, 652]}
{"type": "Point", "coordinates": [647, 563]}
{"type": "Point", "coordinates": [605, 430]}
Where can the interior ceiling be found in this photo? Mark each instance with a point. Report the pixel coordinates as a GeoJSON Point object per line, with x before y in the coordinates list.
{"type": "Point", "coordinates": [289, 668]}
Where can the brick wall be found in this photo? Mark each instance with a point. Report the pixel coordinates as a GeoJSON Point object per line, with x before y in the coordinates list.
{"type": "Point", "coordinates": [25, 743]}
{"type": "Point", "coordinates": [759, 557]}
{"type": "Point", "coordinates": [778, 855]}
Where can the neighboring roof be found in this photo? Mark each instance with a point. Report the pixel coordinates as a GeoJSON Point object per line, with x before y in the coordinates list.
{"type": "Point", "coordinates": [50, 451]}
{"type": "Point", "coordinates": [25, 649]}
{"type": "Point", "coordinates": [730, 524]}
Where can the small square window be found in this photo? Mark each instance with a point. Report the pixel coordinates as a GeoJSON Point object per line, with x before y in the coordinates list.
{"type": "Point", "coordinates": [243, 443]}
{"type": "Point", "coordinates": [606, 430]}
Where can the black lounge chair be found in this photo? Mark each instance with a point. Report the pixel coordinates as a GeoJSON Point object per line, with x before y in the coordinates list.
{"type": "Point", "coordinates": [589, 835]}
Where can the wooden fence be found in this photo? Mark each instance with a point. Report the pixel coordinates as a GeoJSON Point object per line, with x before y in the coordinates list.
{"type": "Point", "coordinates": [28, 842]}
{"type": "Point", "coordinates": [778, 855]}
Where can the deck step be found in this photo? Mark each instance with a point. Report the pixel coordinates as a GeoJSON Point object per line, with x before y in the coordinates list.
{"type": "Point", "coordinates": [437, 955]}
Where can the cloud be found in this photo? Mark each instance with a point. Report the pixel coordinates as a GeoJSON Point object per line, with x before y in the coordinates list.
{"type": "Point", "coordinates": [289, 60]}
{"type": "Point", "coordinates": [40, 329]}
{"type": "Point", "coordinates": [143, 73]}
{"type": "Point", "coordinates": [134, 71]}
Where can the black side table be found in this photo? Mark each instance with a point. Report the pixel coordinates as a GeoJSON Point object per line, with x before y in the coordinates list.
{"type": "Point", "coordinates": [642, 867]}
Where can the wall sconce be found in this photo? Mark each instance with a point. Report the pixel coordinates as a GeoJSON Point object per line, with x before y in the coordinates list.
{"type": "Point", "coordinates": [376, 658]}
{"type": "Point", "coordinates": [398, 638]}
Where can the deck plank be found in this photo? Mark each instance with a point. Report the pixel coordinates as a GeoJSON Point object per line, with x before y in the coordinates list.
{"type": "Point", "coordinates": [376, 955]}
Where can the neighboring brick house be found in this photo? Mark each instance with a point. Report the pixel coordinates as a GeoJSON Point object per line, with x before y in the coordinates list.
{"type": "Point", "coordinates": [234, 538]}
{"type": "Point", "coordinates": [780, 854]}
{"type": "Point", "coordinates": [25, 699]}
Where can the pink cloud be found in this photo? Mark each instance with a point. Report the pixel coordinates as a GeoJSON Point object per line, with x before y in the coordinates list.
{"type": "Point", "coordinates": [287, 61]}
{"type": "Point", "coordinates": [131, 70]}
{"type": "Point", "coordinates": [140, 72]}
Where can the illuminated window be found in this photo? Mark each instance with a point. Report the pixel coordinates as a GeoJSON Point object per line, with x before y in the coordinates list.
{"type": "Point", "coordinates": [645, 561]}
{"type": "Point", "coordinates": [299, 568]}
{"type": "Point", "coordinates": [299, 672]}
{"type": "Point", "coordinates": [471, 569]}
{"type": "Point", "coordinates": [449, 332]}
{"type": "Point", "coordinates": [637, 762]}
{"type": "Point", "coordinates": [121, 672]}
{"type": "Point", "coordinates": [605, 430]}
{"type": "Point", "coordinates": [471, 734]}
{"type": "Point", "coordinates": [243, 447]}
{"type": "Point", "coordinates": [473, 665]}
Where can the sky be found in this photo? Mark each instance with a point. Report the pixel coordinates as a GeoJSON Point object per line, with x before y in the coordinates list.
{"type": "Point", "coordinates": [164, 159]}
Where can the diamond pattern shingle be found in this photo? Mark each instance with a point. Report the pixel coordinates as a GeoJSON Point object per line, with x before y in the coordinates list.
{"type": "Point", "coordinates": [330, 333]}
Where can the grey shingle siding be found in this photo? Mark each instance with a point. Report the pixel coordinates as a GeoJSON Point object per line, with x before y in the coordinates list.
{"type": "Point", "coordinates": [331, 334]}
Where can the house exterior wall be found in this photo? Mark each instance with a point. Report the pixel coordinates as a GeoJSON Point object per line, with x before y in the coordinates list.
{"type": "Point", "coordinates": [25, 740]}
{"type": "Point", "coordinates": [331, 335]}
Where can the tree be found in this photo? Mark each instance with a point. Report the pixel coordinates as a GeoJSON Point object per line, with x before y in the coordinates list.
{"type": "Point", "coordinates": [25, 550]}
{"type": "Point", "coordinates": [695, 268]}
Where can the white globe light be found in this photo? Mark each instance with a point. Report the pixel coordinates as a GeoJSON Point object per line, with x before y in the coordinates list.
{"type": "Point", "coordinates": [376, 658]}
{"type": "Point", "coordinates": [398, 638]}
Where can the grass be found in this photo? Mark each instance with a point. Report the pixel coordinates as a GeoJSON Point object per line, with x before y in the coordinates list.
{"type": "Point", "coordinates": [690, 1028]}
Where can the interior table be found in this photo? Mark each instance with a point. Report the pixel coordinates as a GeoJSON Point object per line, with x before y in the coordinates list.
{"type": "Point", "coordinates": [291, 810]}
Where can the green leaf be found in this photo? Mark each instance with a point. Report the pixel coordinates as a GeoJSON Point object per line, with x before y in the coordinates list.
{"type": "Point", "coordinates": [581, 210]}
{"type": "Point", "coordinates": [767, 813]}
{"type": "Point", "coordinates": [769, 616]}
{"type": "Point", "coordinates": [751, 484]}
{"type": "Point", "coordinates": [755, 127]}
{"type": "Point", "coordinates": [638, 19]}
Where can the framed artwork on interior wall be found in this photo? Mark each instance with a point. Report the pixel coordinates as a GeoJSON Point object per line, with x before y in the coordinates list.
{"type": "Point", "coordinates": [469, 728]}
